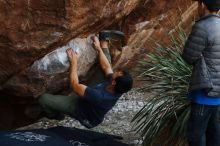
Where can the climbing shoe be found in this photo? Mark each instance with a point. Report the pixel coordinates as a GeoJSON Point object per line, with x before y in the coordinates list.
{"type": "Point", "coordinates": [107, 35]}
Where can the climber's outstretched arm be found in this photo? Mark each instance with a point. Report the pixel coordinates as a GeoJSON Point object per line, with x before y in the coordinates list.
{"type": "Point", "coordinates": [105, 65]}
{"type": "Point", "coordinates": [74, 80]}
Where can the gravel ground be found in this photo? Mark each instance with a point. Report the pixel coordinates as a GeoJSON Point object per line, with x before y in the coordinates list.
{"type": "Point", "coordinates": [117, 120]}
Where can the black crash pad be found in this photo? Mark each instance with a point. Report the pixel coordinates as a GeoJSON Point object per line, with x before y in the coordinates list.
{"type": "Point", "coordinates": [58, 136]}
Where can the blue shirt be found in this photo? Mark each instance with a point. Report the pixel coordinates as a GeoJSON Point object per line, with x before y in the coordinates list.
{"type": "Point", "coordinates": [199, 97]}
{"type": "Point", "coordinates": [95, 103]}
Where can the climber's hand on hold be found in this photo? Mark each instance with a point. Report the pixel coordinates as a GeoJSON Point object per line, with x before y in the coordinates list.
{"type": "Point", "coordinates": [96, 43]}
{"type": "Point", "coordinates": [72, 56]}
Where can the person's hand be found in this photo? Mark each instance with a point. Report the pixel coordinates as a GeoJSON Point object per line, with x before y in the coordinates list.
{"type": "Point", "coordinates": [96, 43]}
{"type": "Point", "coordinates": [72, 55]}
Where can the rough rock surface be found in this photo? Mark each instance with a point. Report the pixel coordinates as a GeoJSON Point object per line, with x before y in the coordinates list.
{"type": "Point", "coordinates": [49, 25]}
{"type": "Point", "coordinates": [34, 35]}
{"type": "Point", "coordinates": [152, 22]}
{"type": "Point", "coordinates": [30, 29]}
{"type": "Point", "coordinates": [50, 73]}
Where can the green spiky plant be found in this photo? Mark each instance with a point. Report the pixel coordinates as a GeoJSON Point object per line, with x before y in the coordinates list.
{"type": "Point", "coordinates": [165, 76]}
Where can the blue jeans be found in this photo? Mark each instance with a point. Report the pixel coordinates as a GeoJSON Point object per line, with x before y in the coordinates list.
{"type": "Point", "coordinates": [203, 126]}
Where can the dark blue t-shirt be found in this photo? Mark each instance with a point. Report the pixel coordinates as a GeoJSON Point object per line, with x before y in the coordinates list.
{"type": "Point", "coordinates": [95, 103]}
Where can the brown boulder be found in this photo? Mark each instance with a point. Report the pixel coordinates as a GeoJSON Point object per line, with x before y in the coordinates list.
{"type": "Point", "coordinates": [34, 35]}
{"type": "Point", "coordinates": [30, 29]}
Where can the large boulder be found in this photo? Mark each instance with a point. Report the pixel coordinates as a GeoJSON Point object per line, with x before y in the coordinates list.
{"type": "Point", "coordinates": [50, 73]}
{"type": "Point", "coordinates": [35, 34]}
{"type": "Point", "coordinates": [31, 29]}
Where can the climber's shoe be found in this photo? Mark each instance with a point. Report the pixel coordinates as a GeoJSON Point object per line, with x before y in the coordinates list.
{"type": "Point", "coordinates": [107, 35]}
{"type": "Point", "coordinates": [110, 34]}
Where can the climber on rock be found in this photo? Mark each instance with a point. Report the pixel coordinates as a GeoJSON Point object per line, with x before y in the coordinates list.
{"type": "Point", "coordinates": [90, 104]}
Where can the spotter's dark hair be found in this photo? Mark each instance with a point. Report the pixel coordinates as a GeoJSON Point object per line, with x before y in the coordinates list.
{"type": "Point", "coordinates": [212, 5]}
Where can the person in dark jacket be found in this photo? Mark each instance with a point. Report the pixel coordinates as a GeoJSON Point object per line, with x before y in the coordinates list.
{"type": "Point", "coordinates": [202, 51]}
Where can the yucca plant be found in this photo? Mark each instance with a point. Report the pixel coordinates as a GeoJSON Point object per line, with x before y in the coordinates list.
{"type": "Point", "coordinates": [165, 77]}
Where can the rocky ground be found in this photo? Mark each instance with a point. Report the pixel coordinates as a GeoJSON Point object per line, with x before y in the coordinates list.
{"type": "Point", "coordinates": [117, 121]}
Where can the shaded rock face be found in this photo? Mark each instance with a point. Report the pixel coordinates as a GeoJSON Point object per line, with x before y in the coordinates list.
{"type": "Point", "coordinates": [35, 34]}
{"type": "Point", "coordinates": [151, 22]}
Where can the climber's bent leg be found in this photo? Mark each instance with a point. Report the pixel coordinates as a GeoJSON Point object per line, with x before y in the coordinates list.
{"type": "Point", "coordinates": [54, 105]}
